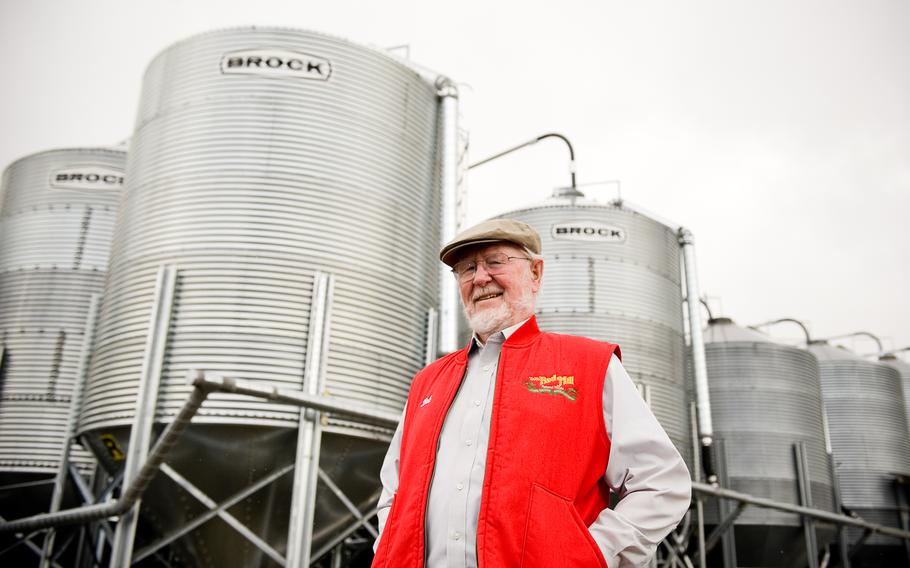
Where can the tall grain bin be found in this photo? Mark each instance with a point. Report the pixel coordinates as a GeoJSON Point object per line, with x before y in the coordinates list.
{"type": "Point", "coordinates": [613, 274]}
{"type": "Point", "coordinates": [903, 369]}
{"type": "Point", "coordinates": [766, 398]}
{"type": "Point", "coordinates": [260, 158]}
{"type": "Point", "coordinates": [57, 211]}
{"type": "Point", "coordinates": [868, 428]}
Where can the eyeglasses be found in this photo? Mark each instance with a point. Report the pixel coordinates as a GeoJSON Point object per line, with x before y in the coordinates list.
{"type": "Point", "coordinates": [494, 263]}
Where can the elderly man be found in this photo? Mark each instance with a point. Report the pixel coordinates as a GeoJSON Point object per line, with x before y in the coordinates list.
{"type": "Point", "coordinates": [508, 450]}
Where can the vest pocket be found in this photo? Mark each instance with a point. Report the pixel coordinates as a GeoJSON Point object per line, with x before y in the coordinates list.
{"type": "Point", "coordinates": [555, 535]}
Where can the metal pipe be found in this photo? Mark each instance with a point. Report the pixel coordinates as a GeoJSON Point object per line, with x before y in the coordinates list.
{"type": "Point", "coordinates": [881, 349]}
{"type": "Point", "coordinates": [699, 365]}
{"type": "Point", "coordinates": [799, 510]}
{"type": "Point", "coordinates": [704, 302]}
{"type": "Point", "coordinates": [132, 493]}
{"type": "Point", "coordinates": [448, 143]}
{"type": "Point", "coordinates": [429, 351]}
{"type": "Point", "coordinates": [215, 381]}
{"type": "Point", "coordinates": [573, 186]}
{"type": "Point", "coordinates": [785, 320]}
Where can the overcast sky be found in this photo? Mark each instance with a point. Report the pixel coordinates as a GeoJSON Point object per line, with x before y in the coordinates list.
{"type": "Point", "coordinates": [778, 131]}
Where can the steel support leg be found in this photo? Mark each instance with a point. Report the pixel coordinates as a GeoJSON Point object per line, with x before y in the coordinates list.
{"type": "Point", "coordinates": [146, 402]}
{"type": "Point", "coordinates": [727, 535]}
{"type": "Point", "coordinates": [696, 475]}
{"type": "Point", "coordinates": [805, 499]}
{"type": "Point", "coordinates": [88, 339]}
{"type": "Point", "coordinates": [303, 500]}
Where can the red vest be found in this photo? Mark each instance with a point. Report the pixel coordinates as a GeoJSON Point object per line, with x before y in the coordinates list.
{"type": "Point", "coordinates": [546, 458]}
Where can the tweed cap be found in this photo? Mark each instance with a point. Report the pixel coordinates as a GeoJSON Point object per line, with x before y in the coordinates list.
{"type": "Point", "coordinates": [491, 231]}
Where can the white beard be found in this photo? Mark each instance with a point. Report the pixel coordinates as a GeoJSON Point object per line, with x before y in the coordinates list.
{"type": "Point", "coordinates": [488, 321]}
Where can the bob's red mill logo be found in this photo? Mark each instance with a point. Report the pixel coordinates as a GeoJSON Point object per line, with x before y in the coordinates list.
{"type": "Point", "coordinates": [590, 231]}
{"type": "Point", "coordinates": [276, 63]}
{"type": "Point", "coordinates": [87, 177]}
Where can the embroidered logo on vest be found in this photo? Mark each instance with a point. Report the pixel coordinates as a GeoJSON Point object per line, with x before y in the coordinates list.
{"type": "Point", "coordinates": [554, 384]}
{"type": "Point", "coordinates": [426, 401]}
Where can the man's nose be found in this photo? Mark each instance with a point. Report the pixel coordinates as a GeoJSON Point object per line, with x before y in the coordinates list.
{"type": "Point", "coordinates": [481, 276]}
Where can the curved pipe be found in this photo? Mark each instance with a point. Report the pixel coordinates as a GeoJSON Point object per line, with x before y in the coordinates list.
{"type": "Point", "coordinates": [704, 302]}
{"type": "Point", "coordinates": [785, 320]}
{"type": "Point", "coordinates": [574, 186]}
{"type": "Point", "coordinates": [881, 348]}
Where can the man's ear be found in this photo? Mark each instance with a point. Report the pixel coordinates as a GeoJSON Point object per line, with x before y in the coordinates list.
{"type": "Point", "coordinates": [537, 273]}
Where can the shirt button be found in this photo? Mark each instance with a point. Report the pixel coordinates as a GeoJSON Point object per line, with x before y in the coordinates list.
{"type": "Point", "coordinates": [476, 403]}
{"type": "Point", "coordinates": [459, 486]}
{"type": "Point", "coordinates": [467, 442]}
{"type": "Point", "coordinates": [456, 535]}
{"type": "Point", "coordinates": [486, 369]}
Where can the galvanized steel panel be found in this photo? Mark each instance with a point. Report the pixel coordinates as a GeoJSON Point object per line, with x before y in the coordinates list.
{"type": "Point", "coordinates": [625, 290]}
{"type": "Point", "coordinates": [57, 212]}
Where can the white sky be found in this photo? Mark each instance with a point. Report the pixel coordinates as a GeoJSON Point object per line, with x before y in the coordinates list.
{"type": "Point", "coordinates": [778, 131]}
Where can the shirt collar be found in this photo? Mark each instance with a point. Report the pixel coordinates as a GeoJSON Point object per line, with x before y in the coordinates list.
{"type": "Point", "coordinates": [499, 336]}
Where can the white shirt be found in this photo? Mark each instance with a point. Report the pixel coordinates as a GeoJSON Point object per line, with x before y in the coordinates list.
{"type": "Point", "coordinates": [645, 470]}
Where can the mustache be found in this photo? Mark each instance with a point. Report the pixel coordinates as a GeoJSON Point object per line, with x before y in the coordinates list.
{"type": "Point", "coordinates": [486, 291]}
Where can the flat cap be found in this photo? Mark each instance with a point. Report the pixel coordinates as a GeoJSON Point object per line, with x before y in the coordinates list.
{"type": "Point", "coordinates": [492, 231]}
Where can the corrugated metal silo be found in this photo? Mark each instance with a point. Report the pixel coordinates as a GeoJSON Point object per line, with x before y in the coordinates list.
{"type": "Point", "coordinates": [57, 211]}
{"type": "Point", "coordinates": [613, 274]}
{"type": "Point", "coordinates": [261, 156]}
{"type": "Point", "coordinates": [765, 399]}
{"type": "Point", "coordinates": [868, 428]}
{"type": "Point", "coordinates": [903, 369]}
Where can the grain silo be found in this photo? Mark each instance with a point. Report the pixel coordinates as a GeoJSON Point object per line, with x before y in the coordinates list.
{"type": "Point", "coordinates": [768, 414]}
{"type": "Point", "coordinates": [57, 211]}
{"type": "Point", "coordinates": [868, 428]}
{"type": "Point", "coordinates": [903, 369]}
{"type": "Point", "coordinates": [275, 173]}
{"type": "Point", "coordinates": [613, 273]}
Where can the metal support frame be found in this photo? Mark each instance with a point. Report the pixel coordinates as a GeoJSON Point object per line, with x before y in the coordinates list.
{"type": "Point", "coordinates": [805, 499]}
{"type": "Point", "coordinates": [204, 384]}
{"type": "Point", "coordinates": [146, 403]}
{"type": "Point", "coordinates": [346, 532]}
{"type": "Point", "coordinates": [900, 489]}
{"type": "Point", "coordinates": [817, 514]}
{"type": "Point", "coordinates": [303, 500]}
{"type": "Point", "coordinates": [726, 510]}
{"type": "Point", "coordinates": [349, 505]}
{"type": "Point", "coordinates": [859, 544]}
{"type": "Point", "coordinates": [843, 545]}
{"type": "Point", "coordinates": [88, 340]}
{"type": "Point", "coordinates": [722, 531]}
{"type": "Point", "coordinates": [26, 541]}
{"type": "Point", "coordinates": [216, 510]}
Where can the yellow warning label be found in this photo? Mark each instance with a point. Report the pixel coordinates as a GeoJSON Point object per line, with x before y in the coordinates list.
{"type": "Point", "coordinates": [110, 442]}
